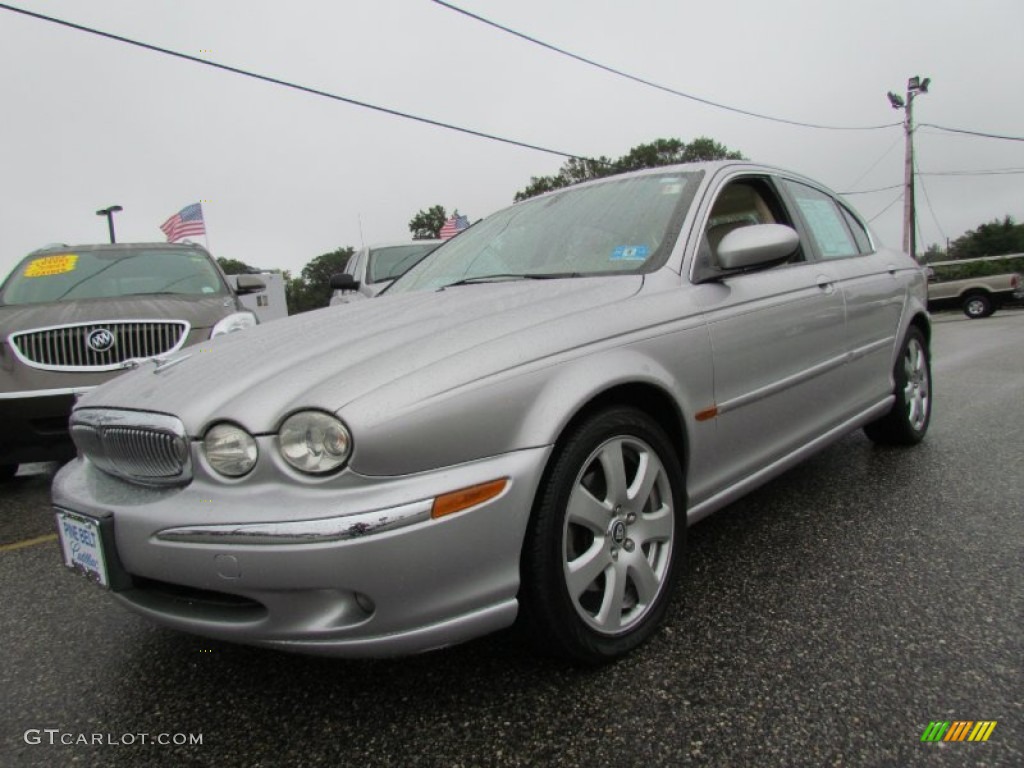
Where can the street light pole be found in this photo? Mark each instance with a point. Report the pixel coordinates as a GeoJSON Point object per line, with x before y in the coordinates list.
{"type": "Point", "coordinates": [915, 85]}
{"type": "Point", "coordinates": [109, 213]}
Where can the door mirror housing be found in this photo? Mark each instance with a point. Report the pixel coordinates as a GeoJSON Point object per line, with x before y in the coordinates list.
{"type": "Point", "coordinates": [757, 245]}
{"type": "Point", "coordinates": [344, 282]}
{"type": "Point", "coordinates": [249, 284]}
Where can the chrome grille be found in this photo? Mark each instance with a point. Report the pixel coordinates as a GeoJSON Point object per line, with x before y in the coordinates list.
{"type": "Point", "coordinates": [146, 448]}
{"type": "Point", "coordinates": [68, 347]}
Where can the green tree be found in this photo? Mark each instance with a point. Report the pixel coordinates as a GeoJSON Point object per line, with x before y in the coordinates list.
{"type": "Point", "coordinates": [994, 238]}
{"type": "Point", "coordinates": [235, 267]}
{"type": "Point", "coordinates": [934, 252]}
{"type": "Point", "coordinates": [656, 153]}
{"type": "Point", "coordinates": [312, 289]}
{"type": "Point", "coordinates": [426, 225]}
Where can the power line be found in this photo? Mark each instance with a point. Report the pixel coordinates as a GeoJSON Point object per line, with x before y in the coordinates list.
{"type": "Point", "coordinates": [651, 84]}
{"type": "Point", "coordinates": [289, 84]}
{"type": "Point", "coordinates": [928, 200]}
{"type": "Point", "coordinates": [982, 134]}
{"type": "Point", "coordinates": [874, 164]}
{"type": "Point", "coordinates": [890, 205]}
{"type": "Point", "coordinates": [869, 191]}
{"type": "Point", "coordinates": [990, 172]}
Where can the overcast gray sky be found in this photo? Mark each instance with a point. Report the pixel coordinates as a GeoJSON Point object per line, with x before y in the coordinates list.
{"type": "Point", "coordinates": [285, 176]}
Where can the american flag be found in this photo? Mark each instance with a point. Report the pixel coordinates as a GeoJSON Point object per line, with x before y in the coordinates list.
{"type": "Point", "coordinates": [453, 226]}
{"type": "Point", "coordinates": [187, 221]}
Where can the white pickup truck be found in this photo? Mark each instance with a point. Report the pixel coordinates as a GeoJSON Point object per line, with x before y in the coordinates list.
{"type": "Point", "coordinates": [977, 296]}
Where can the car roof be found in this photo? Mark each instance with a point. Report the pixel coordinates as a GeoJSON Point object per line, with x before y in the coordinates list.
{"type": "Point", "coordinates": [64, 248]}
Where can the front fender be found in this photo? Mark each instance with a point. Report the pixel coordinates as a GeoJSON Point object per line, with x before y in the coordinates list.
{"type": "Point", "coordinates": [529, 406]}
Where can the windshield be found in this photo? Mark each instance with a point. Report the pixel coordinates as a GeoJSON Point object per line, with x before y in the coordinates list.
{"type": "Point", "coordinates": [393, 261]}
{"type": "Point", "coordinates": [624, 226]}
{"type": "Point", "coordinates": [107, 273]}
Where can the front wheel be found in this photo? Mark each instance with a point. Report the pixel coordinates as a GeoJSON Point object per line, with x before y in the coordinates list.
{"type": "Point", "coordinates": [606, 539]}
{"type": "Point", "coordinates": [907, 421]}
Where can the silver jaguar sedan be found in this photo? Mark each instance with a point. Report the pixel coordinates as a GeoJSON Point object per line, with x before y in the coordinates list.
{"type": "Point", "coordinates": [519, 431]}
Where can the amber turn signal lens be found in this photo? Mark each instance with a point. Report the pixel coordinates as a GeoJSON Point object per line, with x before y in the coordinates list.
{"type": "Point", "coordinates": [456, 501]}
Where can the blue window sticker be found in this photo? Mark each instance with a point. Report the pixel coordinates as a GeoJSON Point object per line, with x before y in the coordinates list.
{"type": "Point", "coordinates": [630, 253]}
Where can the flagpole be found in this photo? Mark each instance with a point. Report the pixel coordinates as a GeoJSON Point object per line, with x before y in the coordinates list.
{"type": "Point", "coordinates": [206, 228]}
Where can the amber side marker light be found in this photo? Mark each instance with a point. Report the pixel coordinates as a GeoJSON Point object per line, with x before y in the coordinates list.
{"type": "Point", "coordinates": [456, 501]}
{"type": "Point", "coordinates": [707, 414]}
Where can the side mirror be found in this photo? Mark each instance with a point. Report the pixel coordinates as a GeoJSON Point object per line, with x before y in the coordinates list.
{"type": "Point", "coordinates": [344, 282]}
{"type": "Point", "coordinates": [757, 245]}
{"type": "Point", "coordinates": [249, 284]}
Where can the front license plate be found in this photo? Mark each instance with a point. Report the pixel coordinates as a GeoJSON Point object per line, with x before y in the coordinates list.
{"type": "Point", "coordinates": [82, 545]}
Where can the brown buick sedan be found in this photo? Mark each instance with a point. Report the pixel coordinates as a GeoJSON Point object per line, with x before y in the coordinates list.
{"type": "Point", "coordinates": [72, 317]}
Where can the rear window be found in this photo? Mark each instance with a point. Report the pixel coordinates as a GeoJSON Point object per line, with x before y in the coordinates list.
{"type": "Point", "coordinates": [100, 274]}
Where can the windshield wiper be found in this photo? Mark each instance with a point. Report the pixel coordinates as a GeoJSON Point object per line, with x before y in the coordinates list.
{"type": "Point", "coordinates": [509, 276]}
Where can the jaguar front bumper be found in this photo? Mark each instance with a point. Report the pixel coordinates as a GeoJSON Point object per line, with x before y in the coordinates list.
{"type": "Point", "coordinates": [360, 568]}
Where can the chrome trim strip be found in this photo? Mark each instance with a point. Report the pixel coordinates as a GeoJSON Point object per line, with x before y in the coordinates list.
{"type": "Point", "coordinates": [867, 349]}
{"type": "Point", "coordinates": [328, 529]}
{"type": "Point", "coordinates": [798, 378]}
{"type": "Point", "coordinates": [777, 386]}
{"type": "Point", "coordinates": [44, 393]}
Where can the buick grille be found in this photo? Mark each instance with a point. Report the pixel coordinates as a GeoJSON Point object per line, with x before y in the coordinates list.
{"type": "Point", "coordinates": [97, 346]}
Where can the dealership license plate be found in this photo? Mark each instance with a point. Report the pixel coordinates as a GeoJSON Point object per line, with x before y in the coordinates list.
{"type": "Point", "coordinates": [82, 545]}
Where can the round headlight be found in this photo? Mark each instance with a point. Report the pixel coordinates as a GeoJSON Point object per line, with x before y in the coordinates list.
{"type": "Point", "coordinates": [230, 450]}
{"type": "Point", "coordinates": [314, 441]}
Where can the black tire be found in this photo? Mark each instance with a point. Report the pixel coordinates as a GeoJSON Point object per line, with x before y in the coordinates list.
{"type": "Point", "coordinates": [611, 539]}
{"type": "Point", "coordinates": [978, 305]}
{"type": "Point", "coordinates": [7, 471]}
{"type": "Point", "coordinates": [907, 422]}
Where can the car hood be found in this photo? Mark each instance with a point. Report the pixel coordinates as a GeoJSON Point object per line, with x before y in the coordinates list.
{"type": "Point", "coordinates": [398, 349]}
{"type": "Point", "coordinates": [200, 312]}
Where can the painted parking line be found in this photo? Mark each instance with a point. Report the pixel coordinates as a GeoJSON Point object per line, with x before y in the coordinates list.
{"type": "Point", "coordinates": [28, 542]}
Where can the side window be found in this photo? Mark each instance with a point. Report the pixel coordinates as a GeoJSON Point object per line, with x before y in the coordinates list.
{"type": "Point", "coordinates": [859, 233]}
{"type": "Point", "coordinates": [825, 221]}
{"type": "Point", "coordinates": [740, 204]}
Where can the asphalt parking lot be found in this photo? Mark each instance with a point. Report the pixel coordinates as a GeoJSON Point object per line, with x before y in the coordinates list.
{"type": "Point", "coordinates": [826, 619]}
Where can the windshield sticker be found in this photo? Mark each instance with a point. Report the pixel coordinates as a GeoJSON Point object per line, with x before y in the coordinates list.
{"type": "Point", "coordinates": [630, 253]}
{"type": "Point", "coordinates": [672, 185]}
{"type": "Point", "coordinates": [45, 266]}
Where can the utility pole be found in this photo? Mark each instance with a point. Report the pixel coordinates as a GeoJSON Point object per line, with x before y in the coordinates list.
{"type": "Point", "coordinates": [915, 85]}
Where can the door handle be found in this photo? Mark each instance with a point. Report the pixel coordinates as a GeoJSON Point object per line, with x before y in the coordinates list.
{"type": "Point", "coordinates": [826, 284]}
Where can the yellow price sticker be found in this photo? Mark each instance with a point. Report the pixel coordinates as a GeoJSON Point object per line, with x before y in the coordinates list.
{"type": "Point", "coordinates": [51, 265]}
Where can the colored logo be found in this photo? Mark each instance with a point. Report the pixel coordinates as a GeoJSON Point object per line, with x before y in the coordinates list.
{"type": "Point", "coordinates": [100, 340]}
{"type": "Point", "coordinates": [958, 730]}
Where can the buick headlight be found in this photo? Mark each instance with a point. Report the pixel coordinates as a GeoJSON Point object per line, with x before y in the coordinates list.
{"type": "Point", "coordinates": [314, 441]}
{"type": "Point", "coordinates": [230, 450]}
{"type": "Point", "coordinates": [235, 322]}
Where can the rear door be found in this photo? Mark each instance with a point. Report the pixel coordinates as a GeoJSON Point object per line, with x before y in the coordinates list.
{"type": "Point", "coordinates": [873, 282]}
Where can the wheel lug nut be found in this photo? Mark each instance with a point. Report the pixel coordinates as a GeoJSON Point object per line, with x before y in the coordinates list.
{"type": "Point", "coordinates": [628, 545]}
{"type": "Point", "coordinates": [631, 518]}
{"type": "Point", "coordinates": [615, 553]}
